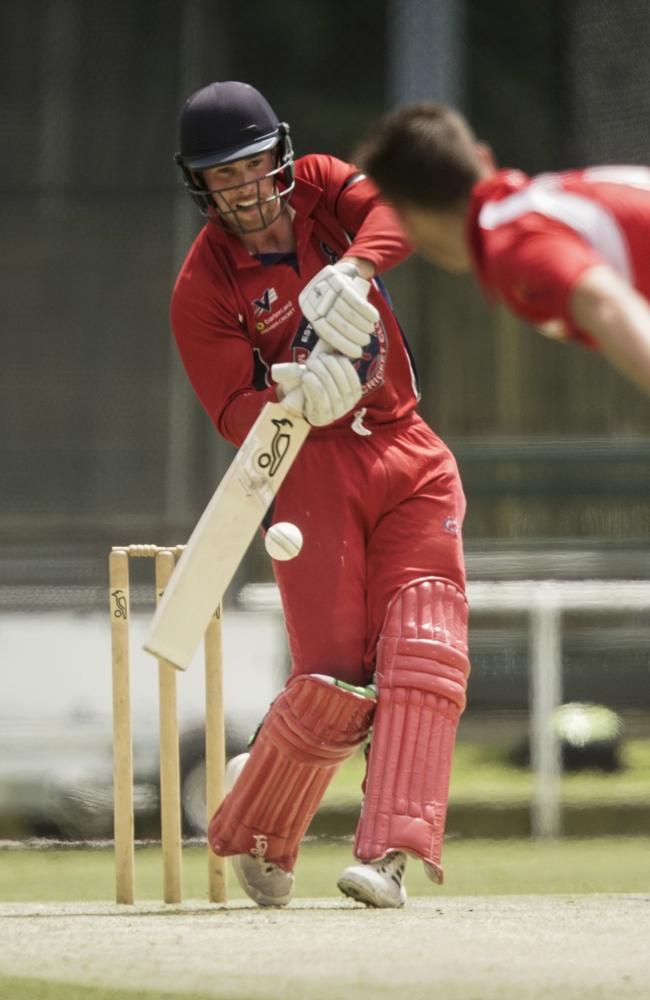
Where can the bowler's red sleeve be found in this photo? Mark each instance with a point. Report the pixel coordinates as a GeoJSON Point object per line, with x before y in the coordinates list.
{"type": "Point", "coordinates": [218, 359]}
{"type": "Point", "coordinates": [534, 270]}
{"type": "Point", "coordinates": [355, 201]}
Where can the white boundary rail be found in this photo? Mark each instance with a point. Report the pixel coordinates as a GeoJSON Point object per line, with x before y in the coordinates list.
{"type": "Point", "coordinates": [543, 602]}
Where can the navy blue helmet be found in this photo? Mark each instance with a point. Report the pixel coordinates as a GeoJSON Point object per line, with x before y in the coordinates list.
{"type": "Point", "coordinates": [231, 121]}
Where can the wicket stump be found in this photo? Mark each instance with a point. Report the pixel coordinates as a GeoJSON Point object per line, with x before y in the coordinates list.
{"type": "Point", "coordinates": [170, 778]}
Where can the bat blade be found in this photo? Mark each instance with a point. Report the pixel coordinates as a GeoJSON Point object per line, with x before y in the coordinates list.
{"type": "Point", "coordinates": [223, 534]}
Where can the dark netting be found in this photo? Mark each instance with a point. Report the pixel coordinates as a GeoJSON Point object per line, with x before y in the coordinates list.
{"type": "Point", "coordinates": [608, 81]}
{"type": "Point", "coordinates": [103, 441]}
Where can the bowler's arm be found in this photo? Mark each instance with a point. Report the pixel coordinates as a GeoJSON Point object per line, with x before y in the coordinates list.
{"type": "Point", "coordinates": [618, 319]}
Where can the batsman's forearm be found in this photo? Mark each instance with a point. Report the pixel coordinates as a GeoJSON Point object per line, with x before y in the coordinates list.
{"type": "Point", "coordinates": [242, 410]}
{"type": "Point", "coordinates": [618, 318]}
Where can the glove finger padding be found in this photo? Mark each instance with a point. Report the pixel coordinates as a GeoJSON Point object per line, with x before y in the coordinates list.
{"type": "Point", "coordinates": [342, 373]}
{"type": "Point", "coordinates": [318, 408]}
{"type": "Point", "coordinates": [331, 386]}
{"type": "Point", "coordinates": [342, 336]}
{"type": "Point", "coordinates": [347, 291]}
{"type": "Point", "coordinates": [321, 299]}
{"type": "Point", "coordinates": [324, 374]}
{"type": "Point", "coordinates": [288, 375]}
{"type": "Point", "coordinates": [346, 313]}
{"type": "Point", "coordinates": [335, 303]}
{"type": "Point", "coordinates": [345, 330]}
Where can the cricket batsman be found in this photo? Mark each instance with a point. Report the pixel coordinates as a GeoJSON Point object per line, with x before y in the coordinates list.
{"type": "Point", "coordinates": [566, 251]}
{"type": "Point", "coordinates": [280, 295]}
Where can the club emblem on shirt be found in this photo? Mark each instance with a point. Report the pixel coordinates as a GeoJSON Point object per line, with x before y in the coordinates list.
{"type": "Point", "coordinates": [370, 366]}
{"type": "Point", "coordinates": [304, 341]}
{"type": "Point", "coordinates": [265, 301]}
{"type": "Point", "coordinates": [451, 526]}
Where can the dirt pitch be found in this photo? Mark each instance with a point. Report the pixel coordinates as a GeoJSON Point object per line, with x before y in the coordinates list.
{"type": "Point", "coordinates": [456, 948]}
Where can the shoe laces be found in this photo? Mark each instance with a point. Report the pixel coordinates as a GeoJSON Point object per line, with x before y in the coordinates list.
{"type": "Point", "coordinates": [389, 866]}
{"type": "Point", "coordinates": [267, 867]}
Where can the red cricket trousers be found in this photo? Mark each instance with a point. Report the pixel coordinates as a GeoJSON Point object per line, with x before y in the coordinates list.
{"type": "Point", "coordinates": [376, 513]}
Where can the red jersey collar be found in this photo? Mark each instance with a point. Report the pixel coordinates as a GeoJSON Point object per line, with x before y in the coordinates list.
{"type": "Point", "coordinates": [495, 187]}
{"type": "Point", "coordinates": [304, 198]}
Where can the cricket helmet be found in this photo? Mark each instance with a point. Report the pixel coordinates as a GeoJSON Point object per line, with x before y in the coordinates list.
{"type": "Point", "coordinates": [230, 121]}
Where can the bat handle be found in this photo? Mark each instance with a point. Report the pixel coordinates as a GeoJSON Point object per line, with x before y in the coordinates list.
{"type": "Point", "coordinates": [294, 400]}
{"type": "Point", "coordinates": [320, 348]}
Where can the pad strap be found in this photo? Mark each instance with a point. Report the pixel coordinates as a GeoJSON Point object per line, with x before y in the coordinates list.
{"type": "Point", "coordinates": [311, 728]}
{"type": "Point", "coordinates": [422, 670]}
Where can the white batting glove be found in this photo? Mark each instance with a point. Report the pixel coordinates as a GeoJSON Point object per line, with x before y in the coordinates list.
{"type": "Point", "coordinates": [331, 387]}
{"type": "Point", "coordinates": [322, 390]}
{"type": "Point", "coordinates": [336, 304]}
{"type": "Point", "coordinates": [289, 377]}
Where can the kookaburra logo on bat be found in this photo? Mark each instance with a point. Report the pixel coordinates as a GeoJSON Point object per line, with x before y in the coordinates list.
{"type": "Point", "coordinates": [271, 460]}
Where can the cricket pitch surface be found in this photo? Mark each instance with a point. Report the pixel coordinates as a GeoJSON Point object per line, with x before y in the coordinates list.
{"type": "Point", "coordinates": [452, 948]}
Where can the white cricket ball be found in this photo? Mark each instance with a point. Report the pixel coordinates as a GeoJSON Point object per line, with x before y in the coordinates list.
{"type": "Point", "coordinates": [283, 541]}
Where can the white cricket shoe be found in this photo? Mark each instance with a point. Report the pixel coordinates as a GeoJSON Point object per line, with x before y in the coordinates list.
{"type": "Point", "coordinates": [376, 883]}
{"type": "Point", "coordinates": [234, 768]}
{"type": "Point", "coordinates": [265, 882]}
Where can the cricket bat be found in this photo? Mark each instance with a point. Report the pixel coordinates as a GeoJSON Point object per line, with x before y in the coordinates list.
{"type": "Point", "coordinates": [225, 530]}
{"type": "Point", "coordinates": [228, 524]}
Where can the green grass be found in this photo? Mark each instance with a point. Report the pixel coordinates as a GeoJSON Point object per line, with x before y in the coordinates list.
{"type": "Point", "coordinates": [482, 774]}
{"type": "Point", "coordinates": [472, 867]}
{"type": "Point", "coordinates": [37, 989]}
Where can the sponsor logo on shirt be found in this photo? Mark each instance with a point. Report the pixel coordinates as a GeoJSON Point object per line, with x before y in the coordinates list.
{"type": "Point", "coordinates": [265, 301]}
{"type": "Point", "coordinates": [268, 323]}
{"type": "Point", "coordinates": [266, 318]}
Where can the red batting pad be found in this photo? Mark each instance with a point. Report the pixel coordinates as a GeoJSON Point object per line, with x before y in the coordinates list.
{"type": "Point", "coordinates": [311, 728]}
{"type": "Point", "coordinates": [422, 670]}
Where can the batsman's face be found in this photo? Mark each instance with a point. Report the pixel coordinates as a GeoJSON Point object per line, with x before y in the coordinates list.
{"type": "Point", "coordinates": [242, 191]}
{"type": "Point", "coordinates": [439, 236]}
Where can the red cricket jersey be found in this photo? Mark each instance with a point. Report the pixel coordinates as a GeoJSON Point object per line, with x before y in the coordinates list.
{"type": "Point", "coordinates": [532, 238]}
{"type": "Point", "coordinates": [234, 314]}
